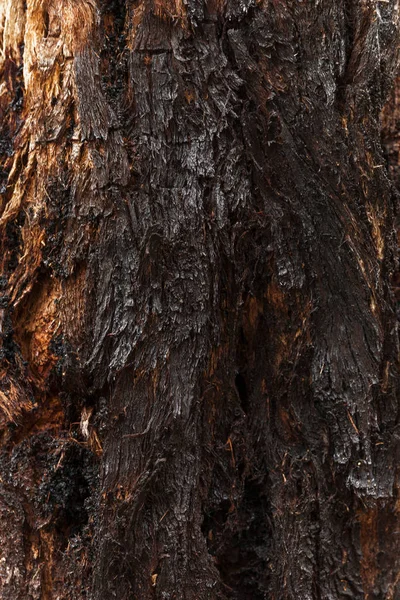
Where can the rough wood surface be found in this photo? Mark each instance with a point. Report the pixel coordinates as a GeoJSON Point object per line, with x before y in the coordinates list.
{"type": "Point", "coordinates": [199, 350]}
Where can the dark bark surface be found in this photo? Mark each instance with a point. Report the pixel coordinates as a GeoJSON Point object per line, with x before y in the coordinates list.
{"type": "Point", "coordinates": [199, 356]}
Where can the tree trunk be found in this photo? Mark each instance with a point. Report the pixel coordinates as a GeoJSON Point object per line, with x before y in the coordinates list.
{"type": "Point", "coordinates": [199, 358]}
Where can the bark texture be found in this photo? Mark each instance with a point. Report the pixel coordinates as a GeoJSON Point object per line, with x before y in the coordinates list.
{"type": "Point", "coordinates": [199, 352]}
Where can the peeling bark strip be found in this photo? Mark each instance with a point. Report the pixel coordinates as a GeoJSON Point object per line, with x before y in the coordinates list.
{"type": "Point", "coordinates": [199, 353]}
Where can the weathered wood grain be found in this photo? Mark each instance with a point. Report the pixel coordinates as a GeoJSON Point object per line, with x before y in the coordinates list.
{"type": "Point", "coordinates": [199, 350]}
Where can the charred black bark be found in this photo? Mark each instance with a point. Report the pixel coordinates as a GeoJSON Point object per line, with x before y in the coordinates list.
{"type": "Point", "coordinates": [200, 353]}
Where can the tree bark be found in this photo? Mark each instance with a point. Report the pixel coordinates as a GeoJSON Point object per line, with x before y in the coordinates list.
{"type": "Point", "coordinates": [199, 350]}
